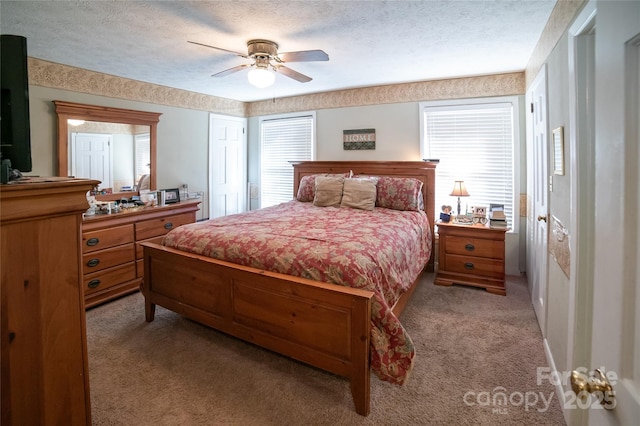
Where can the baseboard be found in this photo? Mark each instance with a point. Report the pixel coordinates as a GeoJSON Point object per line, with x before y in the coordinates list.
{"type": "Point", "coordinates": [560, 390]}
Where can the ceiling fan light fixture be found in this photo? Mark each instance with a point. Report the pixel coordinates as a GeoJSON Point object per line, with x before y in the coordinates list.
{"type": "Point", "coordinates": [261, 77]}
{"type": "Point", "coordinates": [268, 61]}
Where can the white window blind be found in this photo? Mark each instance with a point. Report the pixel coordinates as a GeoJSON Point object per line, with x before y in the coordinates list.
{"type": "Point", "coordinates": [474, 143]}
{"type": "Point", "coordinates": [283, 140]}
{"type": "Point", "coordinates": [142, 147]}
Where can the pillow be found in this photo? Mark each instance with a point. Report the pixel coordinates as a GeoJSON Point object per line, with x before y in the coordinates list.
{"type": "Point", "coordinates": [328, 191]}
{"type": "Point", "coordinates": [399, 193]}
{"type": "Point", "coordinates": [307, 187]}
{"type": "Point", "coordinates": [359, 193]}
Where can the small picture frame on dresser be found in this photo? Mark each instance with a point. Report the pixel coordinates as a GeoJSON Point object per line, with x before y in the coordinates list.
{"type": "Point", "coordinates": [172, 196]}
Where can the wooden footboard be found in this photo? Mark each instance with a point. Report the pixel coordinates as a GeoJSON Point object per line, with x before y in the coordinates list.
{"type": "Point", "coordinates": [324, 325]}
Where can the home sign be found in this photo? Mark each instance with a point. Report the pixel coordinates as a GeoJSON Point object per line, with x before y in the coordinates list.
{"type": "Point", "coordinates": [359, 139]}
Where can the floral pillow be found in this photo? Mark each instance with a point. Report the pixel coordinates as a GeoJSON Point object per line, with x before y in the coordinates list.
{"type": "Point", "coordinates": [307, 187]}
{"type": "Point", "coordinates": [399, 193]}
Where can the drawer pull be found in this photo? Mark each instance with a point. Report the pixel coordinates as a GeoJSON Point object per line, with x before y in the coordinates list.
{"type": "Point", "coordinates": [468, 265]}
{"type": "Point", "coordinates": [469, 247]}
{"type": "Point", "coordinates": [93, 262]}
{"type": "Point", "coordinates": [168, 225]}
{"type": "Point", "coordinates": [94, 283]}
{"type": "Point", "coordinates": [93, 242]}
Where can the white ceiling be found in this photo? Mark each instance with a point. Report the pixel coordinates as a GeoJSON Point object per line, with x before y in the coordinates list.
{"type": "Point", "coordinates": [369, 43]}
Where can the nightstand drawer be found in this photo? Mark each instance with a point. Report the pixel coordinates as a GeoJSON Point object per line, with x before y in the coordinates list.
{"type": "Point", "coordinates": [103, 259]}
{"type": "Point", "coordinates": [476, 247]}
{"type": "Point", "coordinates": [471, 255]}
{"type": "Point", "coordinates": [475, 265]}
{"type": "Point", "coordinates": [105, 238]}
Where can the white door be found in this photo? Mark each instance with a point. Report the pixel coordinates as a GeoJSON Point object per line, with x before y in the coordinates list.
{"type": "Point", "coordinates": [91, 157]}
{"type": "Point", "coordinates": [537, 223]}
{"type": "Point", "coordinates": [615, 341]}
{"type": "Point", "coordinates": [227, 165]}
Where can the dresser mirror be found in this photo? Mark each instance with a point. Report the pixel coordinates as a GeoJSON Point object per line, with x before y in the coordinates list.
{"type": "Point", "coordinates": [113, 145]}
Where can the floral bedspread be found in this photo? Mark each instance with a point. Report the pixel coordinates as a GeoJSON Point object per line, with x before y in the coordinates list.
{"type": "Point", "coordinates": [382, 251]}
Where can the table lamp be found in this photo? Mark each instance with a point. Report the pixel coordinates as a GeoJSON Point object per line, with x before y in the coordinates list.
{"type": "Point", "coordinates": [459, 190]}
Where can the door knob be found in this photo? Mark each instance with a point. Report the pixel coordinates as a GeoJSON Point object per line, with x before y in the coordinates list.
{"type": "Point", "coordinates": [596, 384]}
{"type": "Point", "coordinates": [543, 218]}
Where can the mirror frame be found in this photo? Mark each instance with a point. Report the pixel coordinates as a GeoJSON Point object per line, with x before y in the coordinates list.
{"type": "Point", "coordinates": [70, 110]}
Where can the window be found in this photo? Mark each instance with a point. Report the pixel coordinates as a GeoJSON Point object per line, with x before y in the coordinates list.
{"type": "Point", "coordinates": [283, 139]}
{"type": "Point", "coordinates": [142, 149]}
{"type": "Point", "coordinates": [476, 141]}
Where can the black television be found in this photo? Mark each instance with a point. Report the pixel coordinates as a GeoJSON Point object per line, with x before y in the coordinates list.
{"type": "Point", "coordinates": [15, 135]}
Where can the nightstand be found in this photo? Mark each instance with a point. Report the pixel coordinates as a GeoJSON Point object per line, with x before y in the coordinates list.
{"type": "Point", "coordinates": [471, 255]}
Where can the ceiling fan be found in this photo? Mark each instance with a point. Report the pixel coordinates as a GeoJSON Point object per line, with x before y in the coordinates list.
{"type": "Point", "coordinates": [267, 60]}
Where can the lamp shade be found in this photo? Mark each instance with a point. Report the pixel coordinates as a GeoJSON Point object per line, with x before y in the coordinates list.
{"type": "Point", "coordinates": [459, 190]}
{"type": "Point", "coordinates": [261, 77]}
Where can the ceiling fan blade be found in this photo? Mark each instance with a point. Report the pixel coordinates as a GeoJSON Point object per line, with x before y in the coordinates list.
{"type": "Point", "coordinates": [231, 70]}
{"type": "Point", "coordinates": [218, 48]}
{"type": "Point", "coordinates": [293, 74]}
{"type": "Point", "coordinates": [303, 56]}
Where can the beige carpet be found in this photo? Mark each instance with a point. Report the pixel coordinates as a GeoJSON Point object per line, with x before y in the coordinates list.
{"type": "Point", "coordinates": [471, 346]}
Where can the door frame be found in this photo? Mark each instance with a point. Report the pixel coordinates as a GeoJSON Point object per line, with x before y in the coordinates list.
{"type": "Point", "coordinates": [582, 198]}
{"type": "Point", "coordinates": [616, 290]}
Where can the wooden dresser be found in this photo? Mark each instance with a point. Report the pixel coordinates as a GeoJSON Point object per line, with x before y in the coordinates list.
{"type": "Point", "coordinates": [471, 255]}
{"type": "Point", "coordinates": [45, 378]}
{"type": "Point", "coordinates": [112, 256]}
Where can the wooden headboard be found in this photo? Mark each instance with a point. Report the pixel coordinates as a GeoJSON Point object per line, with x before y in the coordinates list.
{"type": "Point", "coordinates": [421, 170]}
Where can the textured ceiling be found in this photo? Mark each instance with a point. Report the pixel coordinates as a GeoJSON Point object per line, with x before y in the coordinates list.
{"type": "Point", "coordinates": [368, 42]}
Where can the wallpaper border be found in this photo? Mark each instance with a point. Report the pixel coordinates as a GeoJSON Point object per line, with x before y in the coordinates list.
{"type": "Point", "coordinates": [561, 17]}
{"type": "Point", "coordinates": [65, 77]}
{"type": "Point", "coordinates": [58, 76]}
{"type": "Point", "coordinates": [457, 88]}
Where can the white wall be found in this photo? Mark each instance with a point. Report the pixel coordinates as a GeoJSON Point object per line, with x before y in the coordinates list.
{"type": "Point", "coordinates": [397, 132]}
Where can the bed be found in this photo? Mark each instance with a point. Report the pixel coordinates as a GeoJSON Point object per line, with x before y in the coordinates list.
{"type": "Point", "coordinates": [301, 315]}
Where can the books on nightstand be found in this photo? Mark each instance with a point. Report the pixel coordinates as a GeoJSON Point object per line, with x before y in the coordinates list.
{"type": "Point", "coordinates": [497, 218]}
{"type": "Point", "coordinates": [497, 224]}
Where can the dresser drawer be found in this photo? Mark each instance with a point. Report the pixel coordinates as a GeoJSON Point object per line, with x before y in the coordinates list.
{"type": "Point", "coordinates": [475, 265]}
{"type": "Point", "coordinates": [140, 249]}
{"type": "Point", "coordinates": [117, 253]}
{"type": "Point", "coordinates": [106, 238]}
{"type": "Point", "coordinates": [476, 247]}
{"type": "Point", "coordinates": [103, 259]}
{"type": "Point", "coordinates": [102, 280]}
{"type": "Point", "coordinates": [140, 268]}
{"type": "Point", "coordinates": [157, 227]}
